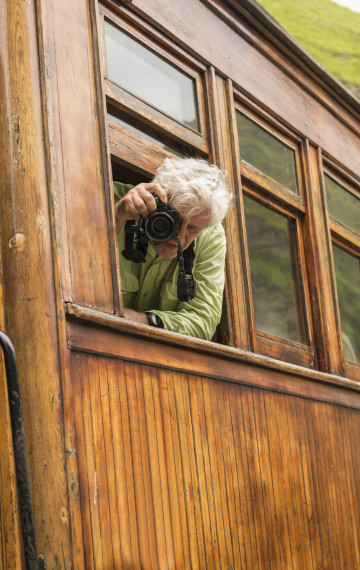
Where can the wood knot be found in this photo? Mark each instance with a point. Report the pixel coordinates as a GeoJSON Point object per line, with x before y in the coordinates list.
{"type": "Point", "coordinates": [17, 242]}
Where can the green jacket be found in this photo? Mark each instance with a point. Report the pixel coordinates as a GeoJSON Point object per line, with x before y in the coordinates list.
{"type": "Point", "coordinates": [152, 286]}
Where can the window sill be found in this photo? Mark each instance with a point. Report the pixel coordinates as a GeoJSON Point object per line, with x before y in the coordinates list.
{"type": "Point", "coordinates": [97, 318]}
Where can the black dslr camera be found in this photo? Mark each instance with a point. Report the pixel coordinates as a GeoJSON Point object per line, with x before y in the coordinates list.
{"type": "Point", "coordinates": [161, 225]}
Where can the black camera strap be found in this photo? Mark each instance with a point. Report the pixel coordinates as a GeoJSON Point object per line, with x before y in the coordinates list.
{"type": "Point", "coordinates": [186, 284]}
{"type": "Point", "coordinates": [137, 254]}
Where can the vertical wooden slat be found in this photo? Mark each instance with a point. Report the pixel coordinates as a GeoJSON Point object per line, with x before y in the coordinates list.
{"type": "Point", "coordinates": [230, 474]}
{"type": "Point", "coordinates": [319, 259]}
{"type": "Point", "coordinates": [142, 480]}
{"type": "Point", "coordinates": [237, 325]}
{"type": "Point", "coordinates": [125, 466]}
{"type": "Point", "coordinates": [322, 484]}
{"type": "Point", "coordinates": [104, 466]}
{"type": "Point", "coordinates": [88, 483]}
{"type": "Point", "coordinates": [269, 470]}
{"type": "Point", "coordinates": [218, 465]}
{"type": "Point", "coordinates": [202, 449]}
{"type": "Point", "coordinates": [174, 473]}
{"type": "Point", "coordinates": [158, 485]}
{"type": "Point", "coordinates": [278, 466]}
{"type": "Point", "coordinates": [310, 497]}
{"type": "Point", "coordinates": [216, 476]}
{"type": "Point", "coordinates": [351, 437]}
{"type": "Point", "coordinates": [188, 477]}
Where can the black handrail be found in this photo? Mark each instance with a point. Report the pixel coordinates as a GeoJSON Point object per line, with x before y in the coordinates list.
{"type": "Point", "coordinates": [21, 466]}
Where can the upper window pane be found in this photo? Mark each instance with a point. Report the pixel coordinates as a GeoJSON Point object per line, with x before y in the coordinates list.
{"type": "Point", "coordinates": [342, 205]}
{"type": "Point", "coordinates": [347, 270]}
{"type": "Point", "coordinates": [140, 71]}
{"type": "Point", "coordinates": [261, 149]}
{"type": "Point", "coordinates": [275, 279]}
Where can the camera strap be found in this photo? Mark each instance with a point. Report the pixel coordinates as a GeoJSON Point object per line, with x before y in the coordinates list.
{"type": "Point", "coordinates": [186, 284]}
{"type": "Point", "coordinates": [137, 254]}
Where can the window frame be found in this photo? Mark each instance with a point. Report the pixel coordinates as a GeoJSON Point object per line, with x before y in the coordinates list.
{"type": "Point", "coordinates": [346, 239]}
{"type": "Point", "coordinates": [218, 101]}
{"type": "Point", "coordinates": [139, 110]}
{"type": "Point", "coordinates": [282, 200]}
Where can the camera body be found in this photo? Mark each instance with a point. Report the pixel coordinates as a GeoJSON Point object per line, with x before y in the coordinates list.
{"type": "Point", "coordinates": [162, 224]}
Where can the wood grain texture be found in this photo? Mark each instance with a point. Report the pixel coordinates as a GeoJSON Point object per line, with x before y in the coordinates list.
{"type": "Point", "coordinates": [76, 160]}
{"type": "Point", "coordinates": [30, 309]}
{"type": "Point", "coordinates": [184, 354]}
{"type": "Point", "coordinates": [261, 70]}
{"type": "Point", "coordinates": [183, 471]}
{"type": "Point", "coordinates": [10, 533]}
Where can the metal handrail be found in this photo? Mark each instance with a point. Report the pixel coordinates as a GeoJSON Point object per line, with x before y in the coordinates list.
{"type": "Point", "coordinates": [21, 466]}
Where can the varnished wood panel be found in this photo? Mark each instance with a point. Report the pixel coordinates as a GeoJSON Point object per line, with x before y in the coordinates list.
{"type": "Point", "coordinates": [183, 471]}
{"type": "Point", "coordinates": [28, 282]}
{"type": "Point", "coordinates": [188, 355]}
{"type": "Point", "coordinates": [269, 79]}
{"type": "Point", "coordinates": [10, 538]}
{"type": "Point", "coordinates": [76, 151]}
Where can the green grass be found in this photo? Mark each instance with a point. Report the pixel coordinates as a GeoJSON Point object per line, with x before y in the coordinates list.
{"type": "Point", "coordinates": [329, 32]}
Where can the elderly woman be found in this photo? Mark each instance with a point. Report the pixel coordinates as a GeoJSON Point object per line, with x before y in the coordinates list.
{"type": "Point", "coordinates": [198, 191]}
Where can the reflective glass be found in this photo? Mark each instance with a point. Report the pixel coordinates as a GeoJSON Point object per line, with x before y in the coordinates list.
{"type": "Point", "coordinates": [261, 149]}
{"type": "Point", "coordinates": [275, 279]}
{"type": "Point", "coordinates": [342, 205]}
{"type": "Point", "coordinates": [140, 133]}
{"type": "Point", "coordinates": [347, 270]}
{"type": "Point", "coordinates": [140, 71]}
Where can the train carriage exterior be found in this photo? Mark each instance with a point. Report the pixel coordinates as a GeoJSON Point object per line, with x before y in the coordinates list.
{"type": "Point", "coordinates": [146, 448]}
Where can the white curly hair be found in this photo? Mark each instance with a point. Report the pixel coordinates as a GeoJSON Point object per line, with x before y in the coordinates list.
{"type": "Point", "coordinates": [194, 185]}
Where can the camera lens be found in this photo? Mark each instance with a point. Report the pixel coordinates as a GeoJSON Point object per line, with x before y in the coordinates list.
{"type": "Point", "coordinates": [160, 227]}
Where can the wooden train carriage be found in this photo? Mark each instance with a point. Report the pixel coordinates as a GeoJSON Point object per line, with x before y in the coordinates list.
{"type": "Point", "coordinates": [148, 449]}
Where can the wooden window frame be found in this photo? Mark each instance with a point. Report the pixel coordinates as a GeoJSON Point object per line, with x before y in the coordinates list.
{"type": "Point", "coordinates": [346, 239]}
{"type": "Point", "coordinates": [139, 110]}
{"type": "Point", "coordinates": [275, 196]}
{"type": "Point", "coordinates": [144, 157]}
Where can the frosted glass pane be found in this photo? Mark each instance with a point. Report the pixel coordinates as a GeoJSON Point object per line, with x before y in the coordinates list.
{"type": "Point", "coordinates": [262, 150]}
{"type": "Point", "coordinates": [143, 73]}
{"type": "Point", "coordinates": [275, 279]}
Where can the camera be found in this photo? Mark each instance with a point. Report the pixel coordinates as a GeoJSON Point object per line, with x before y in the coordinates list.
{"type": "Point", "coordinates": [161, 225]}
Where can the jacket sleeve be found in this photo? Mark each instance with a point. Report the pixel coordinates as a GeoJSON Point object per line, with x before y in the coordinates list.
{"type": "Point", "coordinates": [199, 317]}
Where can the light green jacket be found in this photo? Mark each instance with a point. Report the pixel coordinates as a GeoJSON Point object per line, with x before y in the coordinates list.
{"type": "Point", "coordinates": [152, 286]}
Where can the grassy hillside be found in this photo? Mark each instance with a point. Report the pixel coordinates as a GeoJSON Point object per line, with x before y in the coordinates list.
{"type": "Point", "coordinates": [329, 32]}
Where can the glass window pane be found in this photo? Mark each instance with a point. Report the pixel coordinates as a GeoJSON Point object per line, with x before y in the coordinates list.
{"type": "Point", "coordinates": [139, 133]}
{"type": "Point", "coordinates": [262, 150]}
{"type": "Point", "coordinates": [342, 205]}
{"type": "Point", "coordinates": [275, 279]}
{"type": "Point", "coordinates": [140, 71]}
{"type": "Point", "coordinates": [347, 270]}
